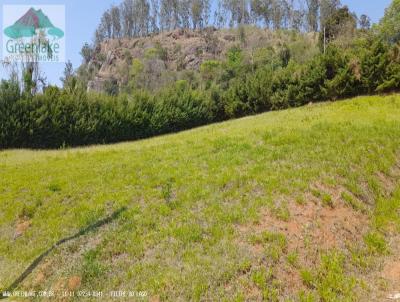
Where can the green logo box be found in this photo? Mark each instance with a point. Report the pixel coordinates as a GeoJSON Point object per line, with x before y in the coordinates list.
{"type": "Point", "coordinates": [33, 33]}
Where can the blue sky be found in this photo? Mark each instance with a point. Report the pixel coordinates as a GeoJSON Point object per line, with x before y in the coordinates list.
{"type": "Point", "coordinates": [82, 17]}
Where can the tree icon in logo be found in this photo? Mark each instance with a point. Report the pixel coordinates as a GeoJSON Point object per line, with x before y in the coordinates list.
{"type": "Point", "coordinates": [28, 25]}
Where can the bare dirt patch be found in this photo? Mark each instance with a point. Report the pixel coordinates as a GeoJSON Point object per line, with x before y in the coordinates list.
{"type": "Point", "coordinates": [313, 224]}
{"type": "Point", "coordinates": [312, 228]}
{"type": "Point", "coordinates": [74, 283]}
{"type": "Point", "coordinates": [290, 279]}
{"type": "Point", "coordinates": [21, 227]}
{"type": "Point", "coordinates": [384, 280]}
{"type": "Point", "coordinates": [40, 278]}
{"type": "Point", "coordinates": [391, 271]}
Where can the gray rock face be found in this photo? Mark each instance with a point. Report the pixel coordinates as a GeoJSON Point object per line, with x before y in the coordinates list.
{"type": "Point", "coordinates": [96, 85]}
{"type": "Point", "coordinates": [192, 61]}
{"type": "Point", "coordinates": [164, 56]}
{"type": "Point", "coordinates": [110, 57]}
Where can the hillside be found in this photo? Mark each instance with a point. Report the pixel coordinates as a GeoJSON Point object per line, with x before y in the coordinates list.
{"type": "Point", "coordinates": [170, 56]}
{"type": "Point", "coordinates": [301, 204]}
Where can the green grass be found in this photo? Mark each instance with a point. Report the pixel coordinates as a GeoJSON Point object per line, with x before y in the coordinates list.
{"type": "Point", "coordinates": [375, 243]}
{"type": "Point", "coordinates": [330, 282]}
{"type": "Point", "coordinates": [188, 193]}
{"type": "Point", "coordinates": [292, 258]}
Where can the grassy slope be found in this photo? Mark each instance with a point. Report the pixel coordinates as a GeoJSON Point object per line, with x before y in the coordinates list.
{"type": "Point", "coordinates": [187, 196]}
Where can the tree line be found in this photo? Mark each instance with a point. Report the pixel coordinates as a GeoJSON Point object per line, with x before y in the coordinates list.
{"type": "Point", "coordinates": [138, 18]}
{"type": "Point", "coordinates": [368, 63]}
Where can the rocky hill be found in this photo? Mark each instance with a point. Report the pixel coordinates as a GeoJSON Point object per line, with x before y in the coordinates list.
{"type": "Point", "coordinates": [169, 56]}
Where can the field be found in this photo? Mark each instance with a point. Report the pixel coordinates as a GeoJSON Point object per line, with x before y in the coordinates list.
{"type": "Point", "coordinates": [295, 205]}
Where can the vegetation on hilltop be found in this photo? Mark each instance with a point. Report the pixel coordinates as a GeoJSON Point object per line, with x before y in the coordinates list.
{"type": "Point", "coordinates": [155, 62]}
{"type": "Point", "coordinates": [139, 18]}
{"type": "Point", "coordinates": [186, 33]}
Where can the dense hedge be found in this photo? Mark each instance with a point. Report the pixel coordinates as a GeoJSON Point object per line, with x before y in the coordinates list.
{"type": "Point", "coordinates": [64, 118]}
{"type": "Point", "coordinates": [57, 119]}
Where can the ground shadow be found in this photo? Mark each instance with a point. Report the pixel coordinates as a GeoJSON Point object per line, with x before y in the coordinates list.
{"type": "Point", "coordinates": [37, 261]}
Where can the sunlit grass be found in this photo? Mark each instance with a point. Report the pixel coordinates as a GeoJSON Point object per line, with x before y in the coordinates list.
{"type": "Point", "coordinates": [186, 196]}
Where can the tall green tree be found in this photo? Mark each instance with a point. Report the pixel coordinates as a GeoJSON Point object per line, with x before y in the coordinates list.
{"type": "Point", "coordinates": [67, 74]}
{"type": "Point", "coordinates": [238, 10]}
{"type": "Point", "coordinates": [341, 21]}
{"type": "Point", "coordinates": [327, 9]}
{"type": "Point", "coordinates": [390, 24]}
{"type": "Point", "coordinates": [312, 14]}
{"type": "Point", "coordinates": [364, 22]}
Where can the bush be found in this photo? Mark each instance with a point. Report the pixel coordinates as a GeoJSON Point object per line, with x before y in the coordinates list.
{"type": "Point", "coordinates": [181, 108]}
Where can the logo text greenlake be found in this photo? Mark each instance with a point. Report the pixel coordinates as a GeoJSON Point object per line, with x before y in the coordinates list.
{"type": "Point", "coordinates": [19, 47]}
